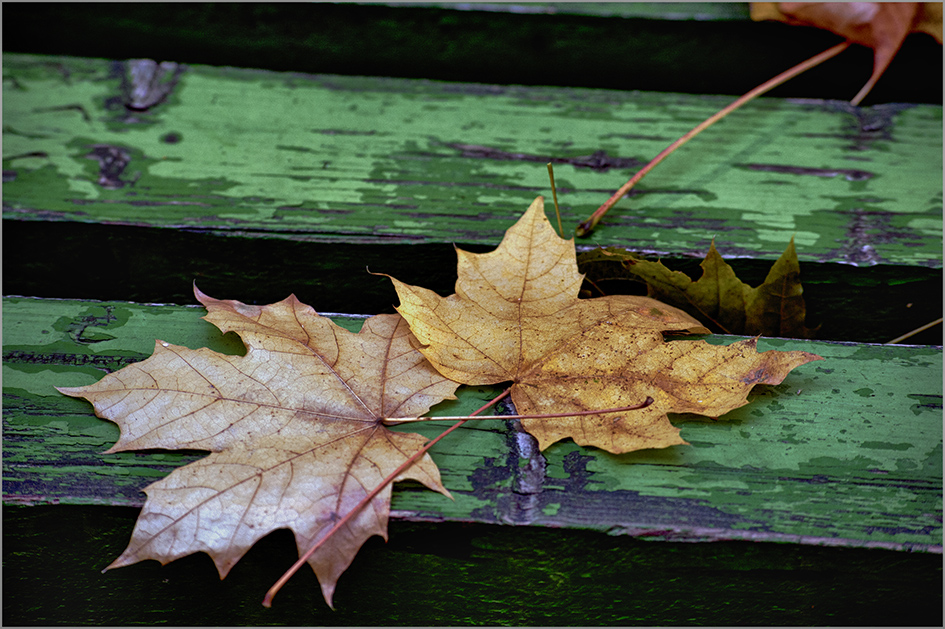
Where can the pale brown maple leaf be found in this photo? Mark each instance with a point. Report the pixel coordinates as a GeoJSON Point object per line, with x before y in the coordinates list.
{"type": "Point", "coordinates": [516, 317]}
{"type": "Point", "coordinates": [294, 430]}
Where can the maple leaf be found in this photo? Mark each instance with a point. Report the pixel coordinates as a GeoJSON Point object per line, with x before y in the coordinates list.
{"type": "Point", "coordinates": [775, 308]}
{"type": "Point", "coordinates": [293, 427]}
{"type": "Point", "coordinates": [516, 317]}
{"type": "Point", "coordinates": [882, 26]}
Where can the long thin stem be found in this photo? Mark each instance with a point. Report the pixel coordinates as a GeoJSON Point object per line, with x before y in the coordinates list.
{"type": "Point", "coordinates": [267, 601]}
{"type": "Point", "coordinates": [405, 420]}
{"type": "Point", "coordinates": [554, 194]}
{"type": "Point", "coordinates": [923, 328]}
{"type": "Point", "coordinates": [585, 228]}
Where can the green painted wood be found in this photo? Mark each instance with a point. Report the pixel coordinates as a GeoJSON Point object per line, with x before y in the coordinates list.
{"type": "Point", "coordinates": [370, 160]}
{"type": "Point", "coordinates": [453, 574]}
{"type": "Point", "coordinates": [846, 452]}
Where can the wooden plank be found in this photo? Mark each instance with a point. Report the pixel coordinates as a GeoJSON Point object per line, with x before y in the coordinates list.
{"type": "Point", "coordinates": [845, 452]}
{"type": "Point", "coordinates": [362, 160]}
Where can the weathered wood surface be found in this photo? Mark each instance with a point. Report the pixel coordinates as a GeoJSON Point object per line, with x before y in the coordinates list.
{"type": "Point", "coordinates": [846, 452]}
{"type": "Point", "coordinates": [377, 160]}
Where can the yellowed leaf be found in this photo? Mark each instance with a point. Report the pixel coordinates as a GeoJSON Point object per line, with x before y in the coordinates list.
{"type": "Point", "coordinates": [774, 308]}
{"type": "Point", "coordinates": [516, 317]}
{"type": "Point", "coordinates": [293, 427]}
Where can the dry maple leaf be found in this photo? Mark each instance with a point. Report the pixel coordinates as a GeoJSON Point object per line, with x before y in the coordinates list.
{"type": "Point", "coordinates": [516, 317]}
{"type": "Point", "coordinates": [882, 26]}
{"type": "Point", "coordinates": [775, 308]}
{"type": "Point", "coordinates": [294, 428]}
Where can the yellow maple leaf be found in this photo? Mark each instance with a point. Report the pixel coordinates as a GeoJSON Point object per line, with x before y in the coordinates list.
{"type": "Point", "coordinates": [516, 317]}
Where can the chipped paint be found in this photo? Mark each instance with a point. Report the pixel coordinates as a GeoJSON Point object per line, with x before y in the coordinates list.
{"type": "Point", "coordinates": [469, 159]}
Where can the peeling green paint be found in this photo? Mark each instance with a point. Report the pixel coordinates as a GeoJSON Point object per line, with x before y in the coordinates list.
{"type": "Point", "coordinates": [263, 152]}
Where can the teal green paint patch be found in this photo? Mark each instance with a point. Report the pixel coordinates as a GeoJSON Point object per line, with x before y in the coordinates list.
{"type": "Point", "coordinates": [81, 430]}
{"type": "Point", "coordinates": [551, 508]}
{"type": "Point", "coordinates": [36, 382]}
{"type": "Point", "coordinates": [72, 328]}
{"type": "Point", "coordinates": [351, 324]}
{"type": "Point", "coordinates": [556, 456]}
{"type": "Point", "coordinates": [87, 326]}
{"type": "Point", "coordinates": [97, 336]}
{"type": "Point", "coordinates": [104, 430]}
{"type": "Point", "coordinates": [766, 344]}
{"type": "Point", "coordinates": [932, 465]}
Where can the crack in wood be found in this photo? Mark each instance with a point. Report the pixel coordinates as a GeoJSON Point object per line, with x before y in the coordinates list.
{"type": "Point", "coordinates": [528, 467]}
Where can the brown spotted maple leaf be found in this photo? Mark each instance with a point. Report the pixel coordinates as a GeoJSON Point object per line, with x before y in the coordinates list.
{"type": "Point", "coordinates": [516, 317]}
{"type": "Point", "coordinates": [294, 430]}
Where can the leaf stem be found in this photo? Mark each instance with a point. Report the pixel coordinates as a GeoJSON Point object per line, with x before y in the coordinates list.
{"type": "Point", "coordinates": [585, 228]}
{"type": "Point", "coordinates": [554, 194]}
{"type": "Point", "coordinates": [267, 601]}
{"type": "Point", "coordinates": [404, 420]}
{"type": "Point", "coordinates": [923, 328]}
{"type": "Point", "coordinates": [594, 284]}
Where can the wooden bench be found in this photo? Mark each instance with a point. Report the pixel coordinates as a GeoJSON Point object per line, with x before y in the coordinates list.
{"type": "Point", "coordinates": [818, 503]}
